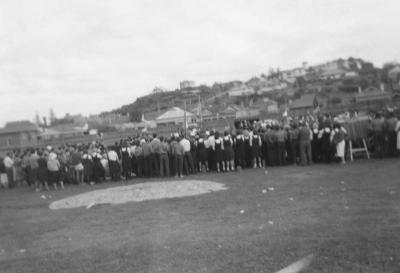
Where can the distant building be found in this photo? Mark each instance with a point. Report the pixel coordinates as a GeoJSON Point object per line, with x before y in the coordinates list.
{"type": "Point", "coordinates": [240, 90]}
{"type": "Point", "coordinates": [372, 95]}
{"type": "Point", "coordinates": [18, 134]}
{"type": "Point", "coordinates": [306, 103]}
{"type": "Point", "coordinates": [187, 84]}
{"type": "Point", "coordinates": [272, 106]}
{"type": "Point", "coordinates": [272, 85]}
{"type": "Point", "coordinates": [292, 74]}
{"type": "Point", "coordinates": [175, 115]}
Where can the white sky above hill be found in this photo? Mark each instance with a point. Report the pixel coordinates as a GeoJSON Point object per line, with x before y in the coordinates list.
{"type": "Point", "coordinates": [88, 56]}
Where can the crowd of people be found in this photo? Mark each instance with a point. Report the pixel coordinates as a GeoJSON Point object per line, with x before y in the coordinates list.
{"type": "Point", "coordinates": [258, 144]}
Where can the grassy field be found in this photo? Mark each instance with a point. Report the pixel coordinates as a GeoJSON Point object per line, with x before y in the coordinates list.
{"type": "Point", "coordinates": [347, 216]}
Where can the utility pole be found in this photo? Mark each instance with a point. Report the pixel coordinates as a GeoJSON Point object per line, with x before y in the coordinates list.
{"type": "Point", "coordinates": [184, 117]}
{"type": "Point", "coordinates": [201, 113]}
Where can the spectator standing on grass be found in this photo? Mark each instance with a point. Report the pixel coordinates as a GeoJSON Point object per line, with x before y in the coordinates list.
{"type": "Point", "coordinates": [177, 156]}
{"type": "Point", "coordinates": [147, 158]}
{"type": "Point", "coordinates": [305, 144]}
{"type": "Point", "coordinates": [281, 137]}
{"type": "Point", "coordinates": [339, 134]}
{"type": "Point", "coordinates": [187, 156]}
{"type": "Point", "coordinates": [113, 164]}
{"type": "Point", "coordinates": [76, 161]}
{"type": "Point", "coordinates": [3, 175]}
{"type": "Point", "coordinates": [155, 146]}
{"type": "Point", "coordinates": [53, 166]}
{"type": "Point", "coordinates": [391, 133]}
{"type": "Point", "coordinates": [18, 172]}
{"type": "Point", "coordinates": [397, 129]}
{"type": "Point", "coordinates": [34, 165]}
{"type": "Point", "coordinates": [202, 154]}
{"type": "Point", "coordinates": [228, 155]}
{"type": "Point", "coordinates": [163, 157]}
{"type": "Point", "coordinates": [294, 143]}
{"type": "Point", "coordinates": [98, 170]}
{"type": "Point", "coordinates": [126, 161]}
{"type": "Point", "coordinates": [218, 152]}
{"type": "Point", "coordinates": [9, 166]}
{"type": "Point", "coordinates": [139, 159]}
{"type": "Point", "coordinates": [377, 128]}
{"type": "Point", "coordinates": [26, 167]}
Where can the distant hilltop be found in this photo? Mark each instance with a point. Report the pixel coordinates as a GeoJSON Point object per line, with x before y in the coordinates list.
{"type": "Point", "coordinates": [334, 82]}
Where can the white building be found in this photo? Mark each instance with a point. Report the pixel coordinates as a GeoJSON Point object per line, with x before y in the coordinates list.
{"type": "Point", "coordinates": [241, 90]}
{"type": "Point", "coordinates": [187, 84]}
{"type": "Point", "coordinates": [176, 115]}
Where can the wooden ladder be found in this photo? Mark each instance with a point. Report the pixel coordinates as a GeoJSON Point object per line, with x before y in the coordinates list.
{"type": "Point", "coordinates": [357, 150]}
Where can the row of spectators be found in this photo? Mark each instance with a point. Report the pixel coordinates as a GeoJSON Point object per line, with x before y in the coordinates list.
{"type": "Point", "coordinates": [257, 144]}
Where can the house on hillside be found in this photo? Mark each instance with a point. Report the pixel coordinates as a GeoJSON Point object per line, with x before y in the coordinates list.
{"type": "Point", "coordinates": [229, 111]}
{"type": "Point", "coordinates": [18, 134]}
{"type": "Point", "coordinates": [272, 106]}
{"type": "Point", "coordinates": [187, 84]}
{"type": "Point", "coordinates": [240, 90]}
{"type": "Point", "coordinates": [202, 113]}
{"type": "Point", "coordinates": [273, 85]}
{"type": "Point", "coordinates": [175, 115]}
{"type": "Point", "coordinates": [372, 96]}
{"type": "Point", "coordinates": [247, 113]}
{"type": "Point", "coordinates": [292, 74]}
{"type": "Point", "coordinates": [307, 102]}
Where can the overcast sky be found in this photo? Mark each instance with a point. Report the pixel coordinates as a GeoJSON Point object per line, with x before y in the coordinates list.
{"type": "Point", "coordinates": [89, 56]}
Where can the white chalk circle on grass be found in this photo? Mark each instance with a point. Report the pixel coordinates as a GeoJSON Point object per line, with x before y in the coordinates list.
{"type": "Point", "coordinates": [138, 193]}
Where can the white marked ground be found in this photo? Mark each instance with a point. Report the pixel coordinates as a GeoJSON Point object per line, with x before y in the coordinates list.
{"type": "Point", "coordinates": [138, 193]}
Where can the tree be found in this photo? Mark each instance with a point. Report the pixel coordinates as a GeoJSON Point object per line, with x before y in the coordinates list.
{"type": "Point", "coordinates": [52, 115]}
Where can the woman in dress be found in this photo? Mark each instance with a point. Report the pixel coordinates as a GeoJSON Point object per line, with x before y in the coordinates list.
{"type": "Point", "coordinates": [218, 152]}
{"type": "Point", "coordinates": [229, 156]}
{"type": "Point", "coordinates": [339, 134]}
{"type": "Point", "coordinates": [202, 154]}
{"type": "Point", "coordinates": [126, 162]}
{"type": "Point", "coordinates": [239, 150]}
{"type": "Point", "coordinates": [255, 144]}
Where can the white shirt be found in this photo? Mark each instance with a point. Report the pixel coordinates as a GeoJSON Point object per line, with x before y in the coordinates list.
{"type": "Point", "coordinates": [185, 144]}
{"type": "Point", "coordinates": [112, 155]}
{"type": "Point", "coordinates": [211, 142]}
{"type": "Point", "coordinates": [8, 162]}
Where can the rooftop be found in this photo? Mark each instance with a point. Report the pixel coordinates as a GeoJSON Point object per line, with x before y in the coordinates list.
{"type": "Point", "coordinates": [19, 126]}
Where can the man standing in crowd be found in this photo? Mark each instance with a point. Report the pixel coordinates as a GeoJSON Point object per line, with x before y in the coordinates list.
{"type": "Point", "coordinates": [33, 162]}
{"type": "Point", "coordinates": [147, 158]}
{"type": "Point", "coordinates": [391, 133]}
{"type": "Point", "coordinates": [281, 137]}
{"type": "Point", "coordinates": [187, 156]}
{"type": "Point", "coordinates": [377, 128]}
{"type": "Point", "coordinates": [177, 156]}
{"type": "Point", "coordinates": [155, 147]}
{"type": "Point", "coordinates": [113, 162]}
{"type": "Point", "coordinates": [305, 144]}
{"type": "Point", "coordinates": [76, 161]}
{"type": "Point", "coordinates": [163, 156]}
{"type": "Point", "coordinates": [26, 168]}
{"type": "Point", "coordinates": [9, 164]}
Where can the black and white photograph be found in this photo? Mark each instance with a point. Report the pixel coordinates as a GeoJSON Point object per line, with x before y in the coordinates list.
{"type": "Point", "coordinates": [188, 136]}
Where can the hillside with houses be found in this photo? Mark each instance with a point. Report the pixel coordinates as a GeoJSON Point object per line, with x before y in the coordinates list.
{"type": "Point", "coordinates": [332, 86]}
{"type": "Point", "coordinates": [335, 86]}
